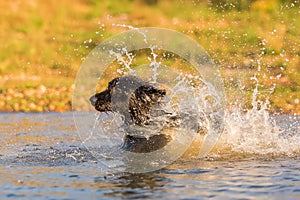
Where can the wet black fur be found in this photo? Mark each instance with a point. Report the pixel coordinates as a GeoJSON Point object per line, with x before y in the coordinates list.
{"type": "Point", "coordinates": [140, 103]}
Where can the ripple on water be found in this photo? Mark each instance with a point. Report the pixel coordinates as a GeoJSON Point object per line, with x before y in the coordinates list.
{"type": "Point", "coordinates": [48, 165]}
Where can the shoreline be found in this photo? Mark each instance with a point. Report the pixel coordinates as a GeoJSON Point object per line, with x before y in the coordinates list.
{"type": "Point", "coordinates": [41, 99]}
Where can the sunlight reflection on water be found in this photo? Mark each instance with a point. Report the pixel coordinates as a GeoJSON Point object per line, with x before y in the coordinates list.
{"type": "Point", "coordinates": [42, 157]}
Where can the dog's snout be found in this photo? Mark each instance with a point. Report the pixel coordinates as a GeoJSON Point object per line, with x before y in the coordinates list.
{"type": "Point", "coordinates": [93, 100]}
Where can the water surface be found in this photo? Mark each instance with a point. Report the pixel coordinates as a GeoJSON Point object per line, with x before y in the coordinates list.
{"type": "Point", "coordinates": [42, 157]}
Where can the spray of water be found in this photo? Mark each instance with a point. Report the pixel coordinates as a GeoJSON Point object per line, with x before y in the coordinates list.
{"type": "Point", "coordinates": [256, 132]}
{"type": "Point", "coordinates": [250, 132]}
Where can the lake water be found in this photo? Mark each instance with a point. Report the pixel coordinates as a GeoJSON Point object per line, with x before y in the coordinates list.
{"type": "Point", "coordinates": [42, 157]}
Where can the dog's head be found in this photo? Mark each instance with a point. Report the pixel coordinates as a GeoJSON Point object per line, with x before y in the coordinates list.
{"type": "Point", "coordinates": [102, 101]}
{"type": "Point", "coordinates": [141, 99]}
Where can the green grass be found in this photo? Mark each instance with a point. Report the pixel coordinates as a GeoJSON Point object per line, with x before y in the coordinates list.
{"type": "Point", "coordinates": [49, 39]}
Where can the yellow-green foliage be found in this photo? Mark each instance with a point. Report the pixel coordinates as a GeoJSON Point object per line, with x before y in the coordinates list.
{"type": "Point", "coordinates": [44, 42]}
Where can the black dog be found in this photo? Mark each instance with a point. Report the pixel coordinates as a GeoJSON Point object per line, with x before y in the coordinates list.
{"type": "Point", "coordinates": [136, 100]}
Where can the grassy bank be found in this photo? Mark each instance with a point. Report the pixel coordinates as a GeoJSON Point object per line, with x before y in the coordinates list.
{"type": "Point", "coordinates": [43, 44]}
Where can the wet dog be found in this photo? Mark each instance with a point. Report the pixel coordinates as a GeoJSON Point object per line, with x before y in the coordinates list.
{"type": "Point", "coordinates": [136, 100]}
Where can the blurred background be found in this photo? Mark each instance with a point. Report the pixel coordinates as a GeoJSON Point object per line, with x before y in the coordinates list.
{"type": "Point", "coordinates": [43, 44]}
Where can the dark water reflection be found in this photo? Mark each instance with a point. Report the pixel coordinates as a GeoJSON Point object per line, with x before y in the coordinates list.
{"type": "Point", "coordinates": [42, 158]}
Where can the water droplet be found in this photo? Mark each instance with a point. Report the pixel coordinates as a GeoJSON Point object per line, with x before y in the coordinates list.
{"type": "Point", "coordinates": [278, 76]}
{"type": "Point", "coordinates": [274, 31]}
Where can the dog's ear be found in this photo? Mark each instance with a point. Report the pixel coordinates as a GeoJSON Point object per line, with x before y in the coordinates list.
{"type": "Point", "coordinates": [153, 93]}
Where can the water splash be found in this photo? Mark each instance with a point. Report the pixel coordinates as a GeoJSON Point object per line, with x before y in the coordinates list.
{"type": "Point", "coordinates": [125, 62]}
{"type": "Point", "coordinates": [256, 132]}
{"type": "Point", "coordinates": [154, 64]}
{"type": "Point", "coordinates": [252, 132]}
{"type": "Point", "coordinates": [133, 28]}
